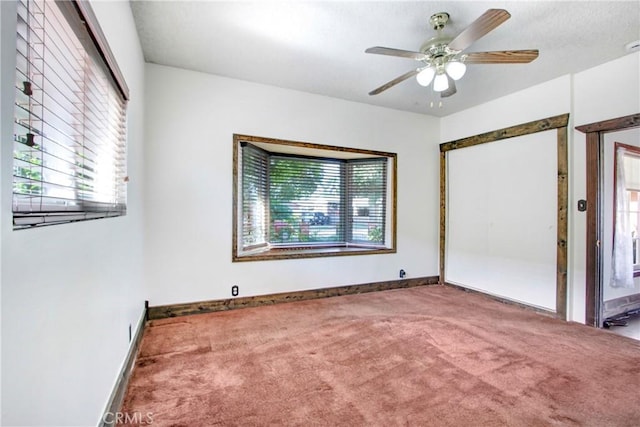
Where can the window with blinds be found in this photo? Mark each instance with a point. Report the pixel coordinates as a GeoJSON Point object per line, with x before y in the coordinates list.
{"type": "Point", "coordinates": [303, 201]}
{"type": "Point", "coordinates": [306, 200]}
{"type": "Point", "coordinates": [70, 118]}
{"type": "Point", "coordinates": [255, 187]}
{"type": "Point", "coordinates": [367, 191]}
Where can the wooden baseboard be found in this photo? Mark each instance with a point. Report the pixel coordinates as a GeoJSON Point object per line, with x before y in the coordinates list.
{"type": "Point", "coordinates": [173, 310]}
{"type": "Point", "coordinates": [621, 305]}
{"type": "Point", "coordinates": [117, 395]}
{"type": "Point", "coordinates": [507, 301]}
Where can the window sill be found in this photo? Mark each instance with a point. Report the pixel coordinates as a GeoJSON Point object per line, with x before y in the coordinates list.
{"type": "Point", "coordinates": [297, 253]}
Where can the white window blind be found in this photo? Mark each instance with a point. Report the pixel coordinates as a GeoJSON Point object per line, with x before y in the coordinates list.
{"type": "Point", "coordinates": [254, 197]}
{"type": "Point", "coordinates": [306, 198]}
{"type": "Point", "coordinates": [367, 191]}
{"type": "Point", "coordinates": [70, 118]}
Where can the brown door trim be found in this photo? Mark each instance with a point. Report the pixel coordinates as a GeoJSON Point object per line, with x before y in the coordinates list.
{"type": "Point", "coordinates": [594, 134]}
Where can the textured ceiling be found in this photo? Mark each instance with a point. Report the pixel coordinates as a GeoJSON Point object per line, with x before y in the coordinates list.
{"type": "Point", "coordinates": [318, 47]}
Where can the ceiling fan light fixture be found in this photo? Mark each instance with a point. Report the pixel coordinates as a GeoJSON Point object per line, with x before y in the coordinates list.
{"type": "Point", "coordinates": [440, 57]}
{"type": "Point", "coordinates": [441, 82]}
{"type": "Point", "coordinates": [455, 69]}
{"type": "Point", "coordinates": [425, 76]}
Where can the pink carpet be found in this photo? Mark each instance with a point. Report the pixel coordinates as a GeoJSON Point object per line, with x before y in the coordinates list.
{"type": "Point", "coordinates": [425, 356]}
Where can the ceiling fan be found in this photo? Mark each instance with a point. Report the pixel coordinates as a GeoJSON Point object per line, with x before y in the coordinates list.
{"type": "Point", "coordinates": [441, 58]}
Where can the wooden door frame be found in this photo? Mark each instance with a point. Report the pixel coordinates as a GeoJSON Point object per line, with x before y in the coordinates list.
{"type": "Point", "coordinates": [557, 122]}
{"type": "Point", "coordinates": [593, 281]}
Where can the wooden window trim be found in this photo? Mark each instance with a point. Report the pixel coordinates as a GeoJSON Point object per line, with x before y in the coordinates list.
{"type": "Point", "coordinates": [95, 31]}
{"type": "Point", "coordinates": [298, 252]}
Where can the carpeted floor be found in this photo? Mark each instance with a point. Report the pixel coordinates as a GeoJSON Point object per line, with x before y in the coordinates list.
{"type": "Point", "coordinates": [426, 356]}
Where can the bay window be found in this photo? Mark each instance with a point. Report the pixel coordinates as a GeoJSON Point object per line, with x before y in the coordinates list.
{"type": "Point", "coordinates": [297, 200]}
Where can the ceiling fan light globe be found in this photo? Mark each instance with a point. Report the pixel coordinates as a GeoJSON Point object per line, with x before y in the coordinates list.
{"type": "Point", "coordinates": [425, 76]}
{"type": "Point", "coordinates": [440, 83]}
{"type": "Point", "coordinates": [455, 69]}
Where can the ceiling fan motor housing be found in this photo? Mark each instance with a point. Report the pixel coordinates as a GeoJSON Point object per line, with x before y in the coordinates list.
{"type": "Point", "coordinates": [437, 50]}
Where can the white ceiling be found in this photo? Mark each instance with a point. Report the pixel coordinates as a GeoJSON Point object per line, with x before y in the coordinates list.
{"type": "Point", "coordinates": [318, 46]}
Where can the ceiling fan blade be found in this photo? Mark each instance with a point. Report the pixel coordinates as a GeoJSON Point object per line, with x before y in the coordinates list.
{"type": "Point", "coordinates": [451, 90]}
{"type": "Point", "coordinates": [394, 82]}
{"type": "Point", "coordinates": [488, 21]}
{"type": "Point", "coordinates": [501, 57]}
{"type": "Point", "coordinates": [396, 52]}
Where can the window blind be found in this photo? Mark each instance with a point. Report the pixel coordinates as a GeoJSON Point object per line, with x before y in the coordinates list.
{"type": "Point", "coordinates": [306, 200]}
{"type": "Point", "coordinates": [255, 187]}
{"type": "Point", "coordinates": [70, 119]}
{"type": "Point", "coordinates": [298, 201]}
{"type": "Point", "coordinates": [367, 193]}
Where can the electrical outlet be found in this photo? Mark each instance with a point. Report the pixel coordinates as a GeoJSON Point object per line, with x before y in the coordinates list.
{"type": "Point", "coordinates": [402, 274]}
{"type": "Point", "coordinates": [235, 291]}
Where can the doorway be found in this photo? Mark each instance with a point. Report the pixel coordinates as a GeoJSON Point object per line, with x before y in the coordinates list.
{"type": "Point", "coordinates": [595, 137]}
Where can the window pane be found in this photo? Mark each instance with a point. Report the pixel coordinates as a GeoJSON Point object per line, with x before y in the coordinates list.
{"type": "Point", "coordinates": [631, 165]}
{"type": "Point", "coordinates": [367, 200]}
{"type": "Point", "coordinates": [69, 129]}
{"type": "Point", "coordinates": [305, 200]}
{"type": "Point", "coordinates": [632, 172]}
{"type": "Point", "coordinates": [254, 197]}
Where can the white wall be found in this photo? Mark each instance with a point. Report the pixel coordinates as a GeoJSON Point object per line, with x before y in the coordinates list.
{"type": "Point", "coordinates": [519, 227]}
{"type": "Point", "coordinates": [538, 102]}
{"type": "Point", "coordinates": [501, 222]}
{"type": "Point", "coordinates": [589, 97]}
{"type": "Point", "coordinates": [70, 292]}
{"type": "Point", "coordinates": [190, 121]}
{"type": "Point", "coordinates": [607, 91]}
